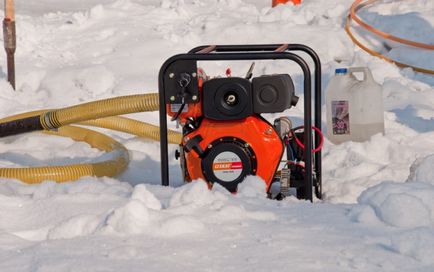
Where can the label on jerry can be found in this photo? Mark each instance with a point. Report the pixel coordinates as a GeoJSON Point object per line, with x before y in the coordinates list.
{"type": "Point", "coordinates": [340, 117]}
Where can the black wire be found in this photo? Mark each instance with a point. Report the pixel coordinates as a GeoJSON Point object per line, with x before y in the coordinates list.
{"type": "Point", "coordinates": [178, 113]}
{"type": "Point", "coordinates": [183, 82]}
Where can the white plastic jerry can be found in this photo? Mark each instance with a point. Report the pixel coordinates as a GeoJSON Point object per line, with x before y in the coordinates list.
{"type": "Point", "coordinates": [354, 107]}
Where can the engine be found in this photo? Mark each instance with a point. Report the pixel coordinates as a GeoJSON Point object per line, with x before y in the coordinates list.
{"type": "Point", "coordinates": [225, 137]}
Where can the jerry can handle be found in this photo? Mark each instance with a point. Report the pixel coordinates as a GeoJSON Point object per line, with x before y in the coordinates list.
{"type": "Point", "coordinates": [367, 75]}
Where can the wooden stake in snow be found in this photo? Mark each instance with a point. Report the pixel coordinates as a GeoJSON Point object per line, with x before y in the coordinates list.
{"type": "Point", "coordinates": [10, 41]}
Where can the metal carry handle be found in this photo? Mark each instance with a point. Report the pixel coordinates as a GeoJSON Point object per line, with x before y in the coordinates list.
{"type": "Point", "coordinates": [254, 52]}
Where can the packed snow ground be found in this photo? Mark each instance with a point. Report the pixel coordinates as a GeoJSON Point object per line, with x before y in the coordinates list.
{"type": "Point", "coordinates": [378, 208]}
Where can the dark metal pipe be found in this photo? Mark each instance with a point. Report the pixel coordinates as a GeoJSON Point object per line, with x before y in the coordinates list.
{"type": "Point", "coordinates": [163, 130]}
{"type": "Point", "coordinates": [11, 69]}
{"type": "Point", "coordinates": [10, 43]}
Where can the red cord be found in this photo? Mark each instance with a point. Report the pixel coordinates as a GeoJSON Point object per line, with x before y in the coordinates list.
{"type": "Point", "coordinates": [295, 163]}
{"type": "Point", "coordinates": [228, 72]}
{"type": "Point", "coordinates": [321, 137]}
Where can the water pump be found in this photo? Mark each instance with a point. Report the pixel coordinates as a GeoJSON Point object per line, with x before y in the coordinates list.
{"type": "Point", "coordinates": [224, 135]}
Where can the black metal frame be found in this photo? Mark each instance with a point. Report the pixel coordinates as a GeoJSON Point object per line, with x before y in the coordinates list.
{"type": "Point", "coordinates": [256, 52]}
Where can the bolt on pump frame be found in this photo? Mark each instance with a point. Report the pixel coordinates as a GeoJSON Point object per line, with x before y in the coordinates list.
{"type": "Point", "coordinates": [256, 52]}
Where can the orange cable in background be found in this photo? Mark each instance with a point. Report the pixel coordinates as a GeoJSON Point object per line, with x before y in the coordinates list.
{"type": "Point", "coordinates": [359, 4]}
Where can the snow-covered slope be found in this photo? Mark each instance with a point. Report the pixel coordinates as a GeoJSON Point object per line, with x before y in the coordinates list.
{"type": "Point", "coordinates": [378, 211]}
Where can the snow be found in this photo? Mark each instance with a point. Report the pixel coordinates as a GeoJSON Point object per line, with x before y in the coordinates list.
{"type": "Point", "coordinates": [378, 207]}
{"type": "Point", "coordinates": [407, 205]}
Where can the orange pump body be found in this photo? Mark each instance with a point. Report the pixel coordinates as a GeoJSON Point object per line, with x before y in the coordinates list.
{"type": "Point", "coordinates": [255, 131]}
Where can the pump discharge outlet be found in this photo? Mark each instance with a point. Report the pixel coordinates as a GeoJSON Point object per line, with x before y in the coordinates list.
{"type": "Point", "coordinates": [354, 107]}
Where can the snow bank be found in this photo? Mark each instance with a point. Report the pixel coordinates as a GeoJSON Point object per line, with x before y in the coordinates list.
{"type": "Point", "coordinates": [190, 209]}
{"type": "Point", "coordinates": [252, 186]}
{"type": "Point", "coordinates": [80, 225]}
{"type": "Point", "coordinates": [180, 225]}
{"type": "Point", "coordinates": [132, 218]}
{"type": "Point", "coordinates": [92, 82]}
{"type": "Point", "coordinates": [196, 194]}
{"type": "Point", "coordinates": [407, 205]}
{"type": "Point", "coordinates": [416, 243]}
{"type": "Point", "coordinates": [217, 205]}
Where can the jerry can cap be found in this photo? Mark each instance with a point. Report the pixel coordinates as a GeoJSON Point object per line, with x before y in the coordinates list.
{"type": "Point", "coordinates": [341, 71]}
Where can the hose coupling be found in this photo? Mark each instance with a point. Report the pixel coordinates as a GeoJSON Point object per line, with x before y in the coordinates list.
{"type": "Point", "coordinates": [48, 121]}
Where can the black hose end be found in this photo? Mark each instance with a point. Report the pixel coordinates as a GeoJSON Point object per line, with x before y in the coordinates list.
{"type": "Point", "coordinates": [20, 126]}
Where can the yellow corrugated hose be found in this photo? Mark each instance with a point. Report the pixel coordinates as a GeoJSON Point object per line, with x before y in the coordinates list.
{"type": "Point", "coordinates": [98, 114]}
{"type": "Point", "coordinates": [134, 127]}
{"type": "Point", "coordinates": [62, 173]}
{"type": "Point", "coordinates": [99, 109]}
